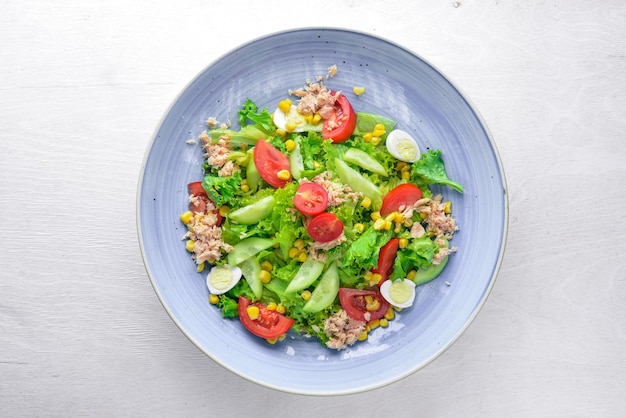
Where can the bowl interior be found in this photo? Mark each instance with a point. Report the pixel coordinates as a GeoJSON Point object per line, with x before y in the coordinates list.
{"type": "Point", "coordinates": [398, 84]}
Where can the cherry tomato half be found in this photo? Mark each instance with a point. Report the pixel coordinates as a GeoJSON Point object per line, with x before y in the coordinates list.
{"type": "Point", "coordinates": [386, 259]}
{"type": "Point", "coordinates": [340, 125]}
{"type": "Point", "coordinates": [199, 205]}
{"type": "Point", "coordinates": [269, 161]}
{"type": "Point", "coordinates": [325, 227]}
{"type": "Point", "coordinates": [403, 195]}
{"type": "Point", "coordinates": [269, 324]}
{"type": "Point", "coordinates": [311, 199]}
{"type": "Point", "coordinates": [357, 303]}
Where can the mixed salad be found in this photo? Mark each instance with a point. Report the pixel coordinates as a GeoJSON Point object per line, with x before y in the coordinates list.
{"type": "Point", "coordinates": [316, 218]}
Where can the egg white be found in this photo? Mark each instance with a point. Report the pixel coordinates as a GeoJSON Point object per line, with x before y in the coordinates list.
{"type": "Point", "coordinates": [385, 291]}
{"type": "Point", "coordinates": [235, 276]}
{"type": "Point", "coordinates": [396, 140]}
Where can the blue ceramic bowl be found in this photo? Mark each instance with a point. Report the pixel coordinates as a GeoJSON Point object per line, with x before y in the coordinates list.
{"type": "Point", "coordinates": [399, 84]}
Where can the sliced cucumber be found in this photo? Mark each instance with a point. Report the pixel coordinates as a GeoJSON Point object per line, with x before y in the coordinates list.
{"type": "Point", "coordinates": [252, 174]}
{"type": "Point", "coordinates": [248, 248]}
{"type": "Point", "coordinates": [251, 271]}
{"type": "Point", "coordinates": [325, 292]}
{"type": "Point", "coordinates": [358, 183]}
{"type": "Point", "coordinates": [253, 213]}
{"type": "Point", "coordinates": [430, 273]}
{"type": "Point", "coordinates": [308, 272]}
{"type": "Point", "coordinates": [296, 164]}
{"type": "Point", "coordinates": [365, 161]}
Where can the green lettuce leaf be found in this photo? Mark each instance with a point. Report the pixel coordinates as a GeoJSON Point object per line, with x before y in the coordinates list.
{"type": "Point", "coordinates": [431, 170]}
{"type": "Point", "coordinates": [250, 112]}
{"type": "Point", "coordinates": [222, 190]}
{"type": "Point", "coordinates": [418, 254]}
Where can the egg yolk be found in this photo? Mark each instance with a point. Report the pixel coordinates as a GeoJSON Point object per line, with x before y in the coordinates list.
{"type": "Point", "coordinates": [400, 292]}
{"type": "Point", "coordinates": [221, 278]}
{"type": "Point", "coordinates": [406, 148]}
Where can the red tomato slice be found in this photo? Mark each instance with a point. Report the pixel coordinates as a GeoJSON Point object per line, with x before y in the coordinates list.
{"type": "Point", "coordinates": [325, 227]}
{"type": "Point", "coordinates": [269, 324]}
{"type": "Point", "coordinates": [269, 161]}
{"type": "Point", "coordinates": [199, 205]}
{"type": "Point", "coordinates": [386, 259]}
{"type": "Point", "coordinates": [340, 125]}
{"type": "Point", "coordinates": [402, 195]}
{"type": "Point", "coordinates": [355, 303]}
{"type": "Point", "coordinates": [311, 199]}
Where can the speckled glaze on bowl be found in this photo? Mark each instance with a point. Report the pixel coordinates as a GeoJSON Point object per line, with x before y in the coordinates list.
{"type": "Point", "coordinates": [398, 84]}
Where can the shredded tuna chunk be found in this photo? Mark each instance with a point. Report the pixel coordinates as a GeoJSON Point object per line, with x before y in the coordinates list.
{"type": "Point", "coordinates": [438, 222]}
{"type": "Point", "coordinates": [207, 236]}
{"type": "Point", "coordinates": [315, 98]}
{"type": "Point", "coordinates": [342, 330]}
{"type": "Point", "coordinates": [337, 193]}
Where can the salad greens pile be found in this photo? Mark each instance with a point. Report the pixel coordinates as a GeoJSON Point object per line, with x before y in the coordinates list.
{"type": "Point", "coordinates": [265, 231]}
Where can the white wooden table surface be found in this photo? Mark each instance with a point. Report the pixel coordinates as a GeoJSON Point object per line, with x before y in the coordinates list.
{"type": "Point", "coordinates": [83, 85]}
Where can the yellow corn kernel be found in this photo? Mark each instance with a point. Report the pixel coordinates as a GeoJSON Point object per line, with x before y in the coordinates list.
{"type": "Point", "coordinates": [224, 210]}
{"type": "Point", "coordinates": [271, 340]}
{"type": "Point", "coordinates": [371, 303]}
{"type": "Point", "coordinates": [265, 276]}
{"type": "Point", "coordinates": [423, 215]}
{"type": "Point", "coordinates": [213, 299]}
{"type": "Point", "coordinates": [366, 202]}
{"type": "Point", "coordinates": [358, 90]}
{"type": "Point", "coordinates": [411, 274]}
{"type": "Point", "coordinates": [397, 309]}
{"type": "Point", "coordinates": [379, 224]}
{"type": "Point", "coordinates": [375, 216]}
{"type": "Point", "coordinates": [281, 337]}
{"type": "Point", "coordinates": [306, 294]}
{"type": "Point", "coordinates": [280, 132]}
{"type": "Point", "coordinates": [186, 217]}
{"type": "Point", "coordinates": [401, 165]}
{"type": "Point", "coordinates": [376, 140]}
{"type": "Point", "coordinates": [253, 312]}
{"type": "Point", "coordinates": [399, 217]}
{"type": "Point", "coordinates": [290, 126]}
{"type": "Point", "coordinates": [189, 245]}
{"type": "Point", "coordinates": [200, 267]}
{"type": "Point", "coordinates": [285, 105]}
{"type": "Point", "coordinates": [316, 165]}
{"type": "Point", "coordinates": [317, 118]}
{"type": "Point", "coordinates": [405, 175]}
{"type": "Point", "coordinates": [290, 144]}
{"type": "Point", "coordinates": [283, 175]}
{"type": "Point", "coordinates": [447, 208]}
{"type": "Point", "coordinates": [367, 137]}
{"type": "Point", "coordinates": [362, 336]}
{"type": "Point", "coordinates": [379, 129]}
{"type": "Point", "coordinates": [245, 188]}
{"type": "Point", "coordinates": [266, 265]}
{"type": "Point", "coordinates": [302, 256]}
{"type": "Point", "coordinates": [293, 252]}
{"type": "Point", "coordinates": [272, 306]}
{"type": "Point", "coordinates": [384, 322]}
{"type": "Point", "coordinates": [373, 324]}
{"type": "Point", "coordinates": [390, 314]}
{"type": "Point", "coordinates": [387, 225]}
{"type": "Point", "coordinates": [403, 242]}
{"type": "Point", "coordinates": [398, 228]}
{"type": "Point", "coordinates": [280, 309]}
{"type": "Point", "coordinates": [375, 278]}
{"type": "Point", "coordinates": [405, 167]}
{"type": "Point", "coordinates": [359, 227]}
{"type": "Point", "coordinates": [299, 244]}
{"type": "Point", "coordinates": [391, 217]}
